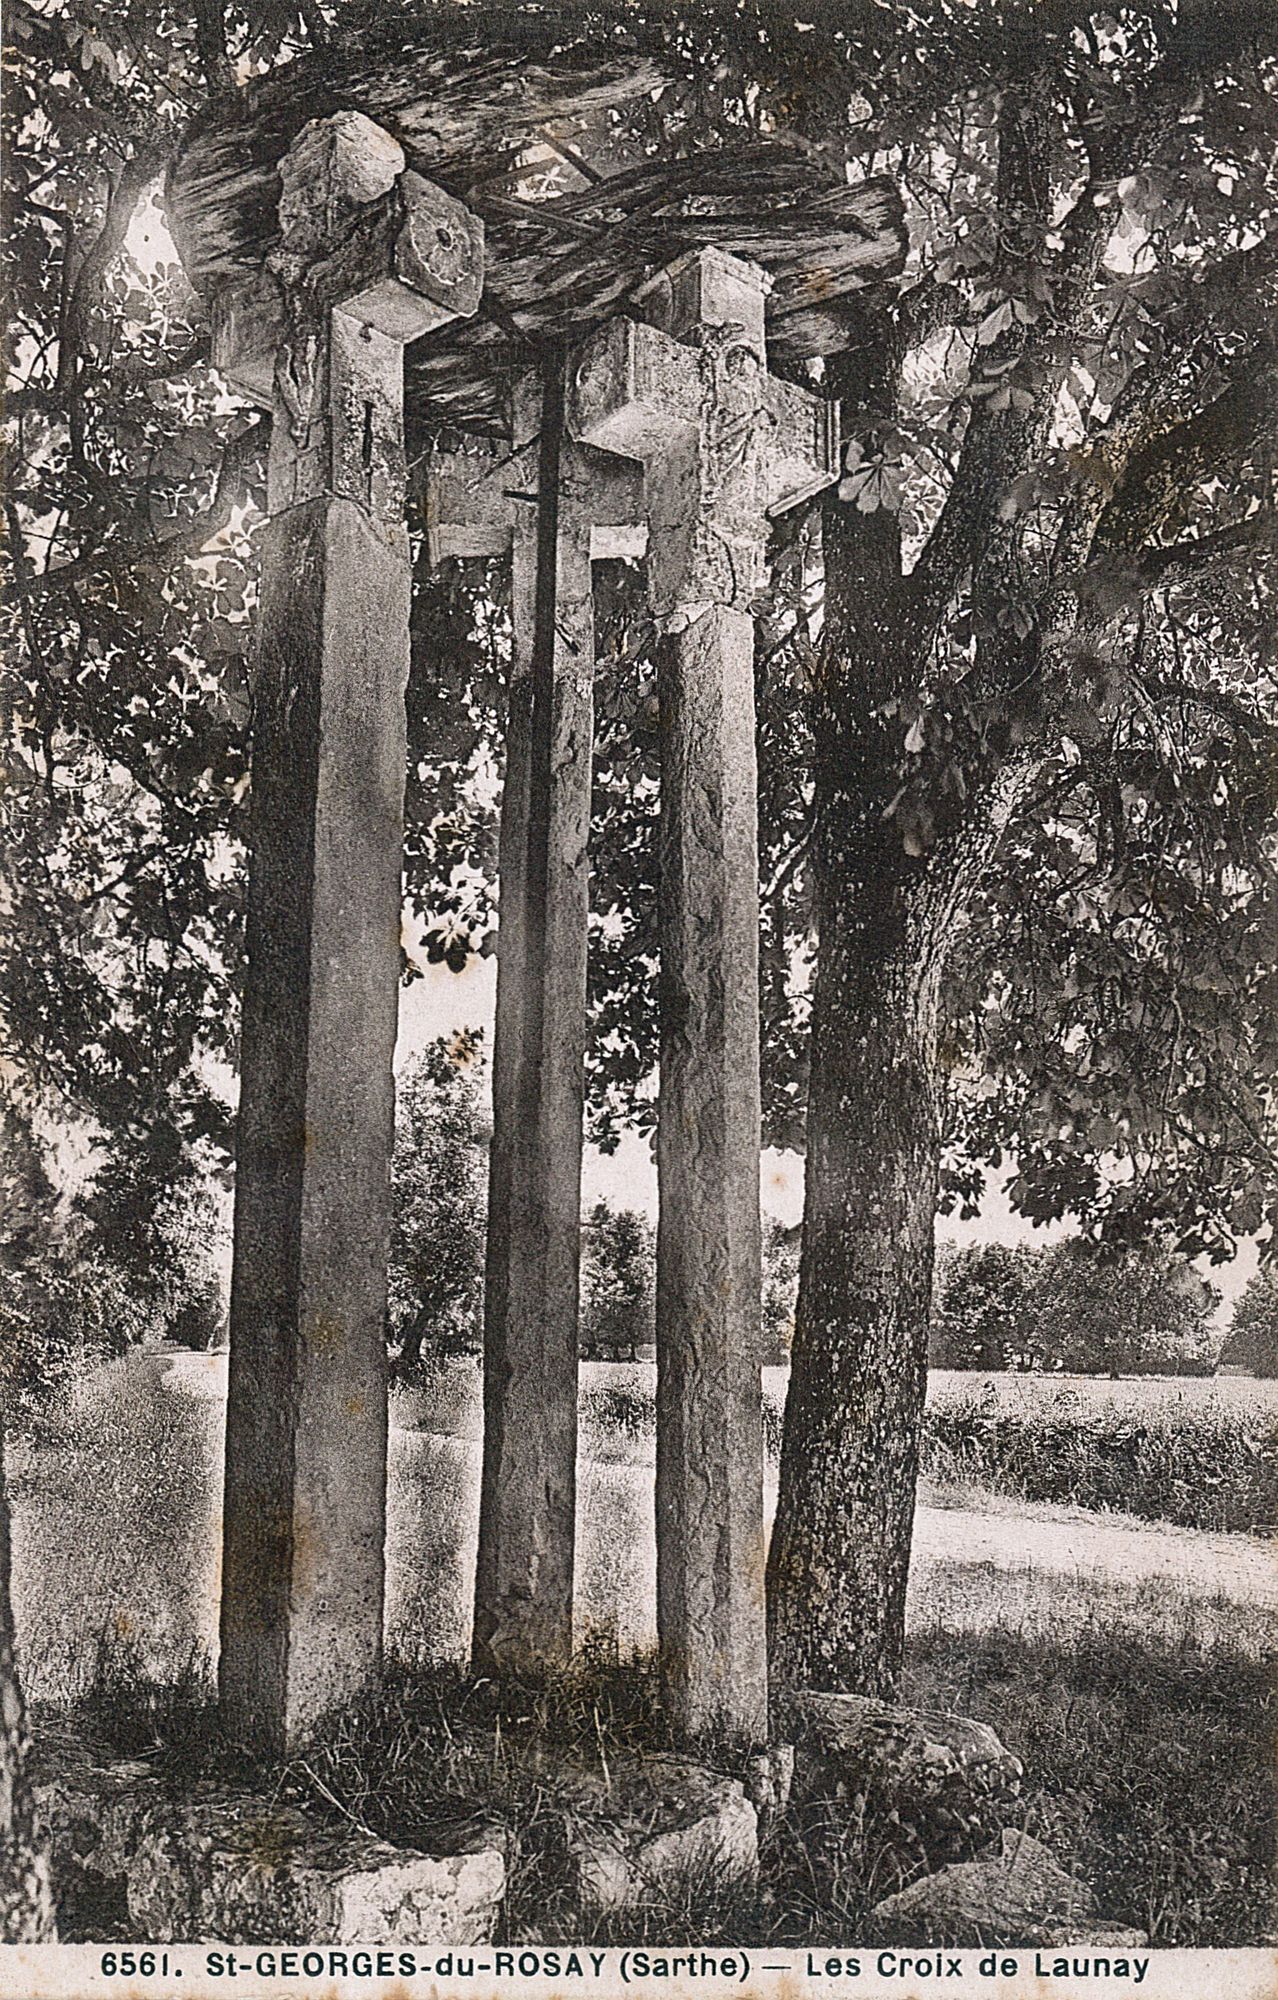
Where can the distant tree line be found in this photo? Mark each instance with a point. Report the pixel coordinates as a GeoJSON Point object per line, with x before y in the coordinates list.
{"type": "Point", "coordinates": [1252, 1346]}
{"type": "Point", "coordinates": [88, 1273]}
{"type": "Point", "coordinates": [80, 1282]}
{"type": "Point", "coordinates": [1076, 1307]}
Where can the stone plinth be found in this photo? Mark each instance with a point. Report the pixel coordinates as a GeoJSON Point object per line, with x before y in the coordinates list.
{"type": "Point", "coordinates": [1016, 1895]}
{"type": "Point", "coordinates": [947, 1778]}
{"type": "Point", "coordinates": [845, 1740]}
{"type": "Point", "coordinates": [213, 1863]}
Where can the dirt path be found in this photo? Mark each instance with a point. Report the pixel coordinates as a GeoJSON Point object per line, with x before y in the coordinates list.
{"type": "Point", "coordinates": [1070, 1542]}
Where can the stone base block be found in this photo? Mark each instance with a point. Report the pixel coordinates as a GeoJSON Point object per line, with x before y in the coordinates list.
{"type": "Point", "coordinates": [947, 1777]}
{"type": "Point", "coordinates": [847, 1740]}
{"type": "Point", "coordinates": [211, 1864]}
{"type": "Point", "coordinates": [1015, 1895]}
{"type": "Point", "coordinates": [663, 1827]}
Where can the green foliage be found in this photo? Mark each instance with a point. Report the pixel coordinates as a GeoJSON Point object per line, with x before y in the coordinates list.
{"type": "Point", "coordinates": [983, 1316]}
{"type": "Point", "coordinates": [780, 1288]}
{"type": "Point", "coordinates": [59, 1317]}
{"type": "Point", "coordinates": [438, 1185]}
{"type": "Point", "coordinates": [1214, 1466]}
{"type": "Point", "coordinates": [1137, 1312]}
{"type": "Point", "coordinates": [1079, 1306]}
{"type": "Point", "coordinates": [1108, 1003]}
{"type": "Point", "coordinates": [618, 1300]}
{"type": "Point", "coordinates": [64, 1306]}
{"type": "Point", "coordinates": [199, 1319]}
{"type": "Point", "coordinates": [1057, 518]}
{"type": "Point", "coordinates": [618, 1284]}
{"type": "Point", "coordinates": [128, 616]}
{"type": "Point", "coordinates": [1252, 1343]}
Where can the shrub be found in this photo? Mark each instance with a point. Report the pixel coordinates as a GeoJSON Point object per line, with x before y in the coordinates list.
{"type": "Point", "coordinates": [199, 1319]}
{"type": "Point", "coordinates": [983, 1314]}
{"type": "Point", "coordinates": [60, 1316]}
{"type": "Point", "coordinates": [1212, 1467]}
{"type": "Point", "coordinates": [1131, 1312]}
{"type": "Point", "coordinates": [780, 1287]}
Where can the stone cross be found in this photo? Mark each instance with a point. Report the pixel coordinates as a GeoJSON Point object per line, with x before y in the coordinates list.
{"type": "Point", "coordinates": [370, 257]}
{"type": "Point", "coordinates": [723, 445]}
{"type": "Point", "coordinates": [556, 506]}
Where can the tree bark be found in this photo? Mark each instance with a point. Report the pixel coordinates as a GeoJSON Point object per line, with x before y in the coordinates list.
{"type": "Point", "coordinates": [840, 1551]}
{"type": "Point", "coordinates": [888, 891]}
{"type": "Point", "coordinates": [841, 1543]}
{"type": "Point", "coordinates": [26, 1894]}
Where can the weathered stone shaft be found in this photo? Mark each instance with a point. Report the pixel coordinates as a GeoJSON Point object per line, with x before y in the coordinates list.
{"type": "Point", "coordinates": [710, 1548]}
{"type": "Point", "coordinates": [554, 505]}
{"type": "Point", "coordinates": [306, 1418]}
{"type": "Point", "coordinates": [524, 1579]}
{"type": "Point", "coordinates": [304, 1516]}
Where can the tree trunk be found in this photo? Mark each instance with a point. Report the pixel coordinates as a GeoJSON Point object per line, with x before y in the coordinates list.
{"type": "Point", "coordinates": [26, 1895]}
{"type": "Point", "coordinates": [841, 1544]}
{"type": "Point", "coordinates": [889, 887]}
{"type": "Point", "coordinates": [858, 1364]}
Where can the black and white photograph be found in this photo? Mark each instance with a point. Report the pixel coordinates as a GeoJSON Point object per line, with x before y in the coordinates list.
{"type": "Point", "coordinates": [639, 999]}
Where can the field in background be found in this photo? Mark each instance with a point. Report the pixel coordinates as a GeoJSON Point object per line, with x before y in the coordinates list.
{"type": "Point", "coordinates": [1199, 1452]}
{"type": "Point", "coordinates": [1128, 1665]}
{"type": "Point", "coordinates": [1094, 1395]}
{"type": "Point", "coordinates": [117, 1519]}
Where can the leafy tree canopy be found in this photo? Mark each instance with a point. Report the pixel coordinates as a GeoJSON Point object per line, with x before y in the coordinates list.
{"type": "Point", "coordinates": [1253, 1333]}
{"type": "Point", "coordinates": [1059, 484]}
{"type": "Point", "coordinates": [438, 1186]}
{"type": "Point", "coordinates": [618, 1288]}
{"type": "Point", "coordinates": [984, 1311]}
{"type": "Point", "coordinates": [1076, 1307]}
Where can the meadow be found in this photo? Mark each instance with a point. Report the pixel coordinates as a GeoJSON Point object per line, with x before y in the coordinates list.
{"type": "Point", "coordinates": [117, 1509]}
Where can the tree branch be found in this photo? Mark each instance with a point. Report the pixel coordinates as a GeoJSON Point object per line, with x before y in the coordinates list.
{"type": "Point", "coordinates": [1245, 721]}
{"type": "Point", "coordinates": [1257, 532]}
{"type": "Point", "coordinates": [135, 177]}
{"type": "Point", "coordinates": [1156, 477]}
{"type": "Point", "coordinates": [210, 41]}
{"type": "Point", "coordinates": [169, 549]}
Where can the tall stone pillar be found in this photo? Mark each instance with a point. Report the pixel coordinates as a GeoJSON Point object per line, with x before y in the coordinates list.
{"type": "Point", "coordinates": [556, 505]}
{"type": "Point", "coordinates": [524, 1578]}
{"type": "Point", "coordinates": [371, 256]}
{"type": "Point", "coordinates": [723, 445]}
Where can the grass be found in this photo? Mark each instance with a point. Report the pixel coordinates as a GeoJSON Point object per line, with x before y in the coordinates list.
{"type": "Point", "coordinates": [117, 1526]}
{"type": "Point", "coordinates": [1148, 1769]}
{"type": "Point", "coordinates": [433, 1756]}
{"type": "Point", "coordinates": [1175, 1451]}
{"type": "Point", "coordinates": [1142, 1709]}
{"type": "Point", "coordinates": [1148, 1772]}
{"type": "Point", "coordinates": [1211, 1464]}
